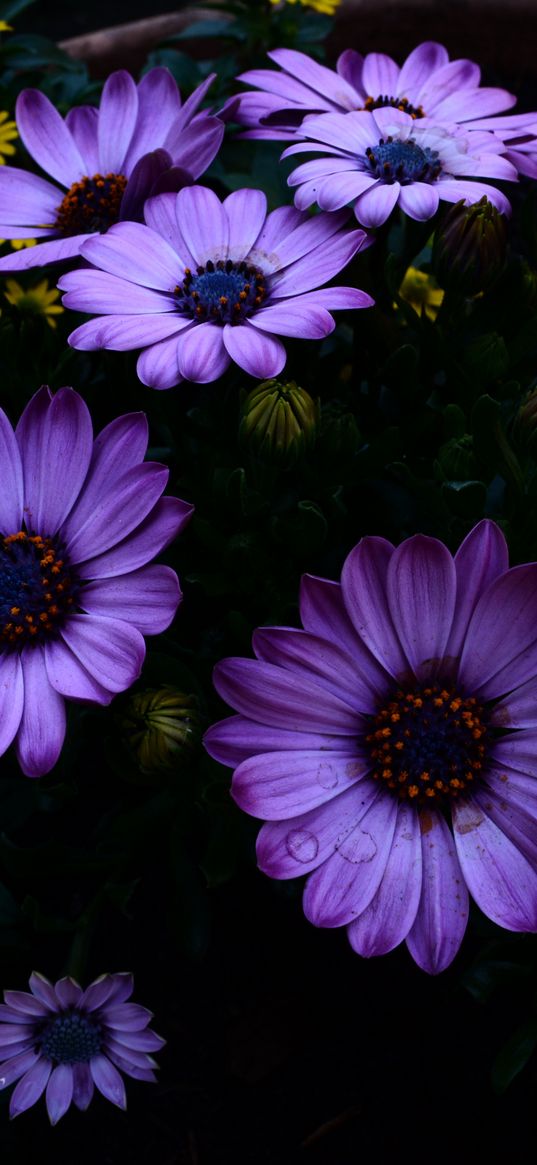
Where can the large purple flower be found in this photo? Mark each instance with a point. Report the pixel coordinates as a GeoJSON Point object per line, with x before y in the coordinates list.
{"type": "Point", "coordinates": [206, 282]}
{"type": "Point", "coordinates": [409, 699]}
{"type": "Point", "coordinates": [68, 1041]}
{"type": "Point", "coordinates": [428, 85]}
{"type": "Point", "coordinates": [381, 159]}
{"type": "Point", "coordinates": [103, 162]}
{"type": "Point", "coordinates": [80, 520]}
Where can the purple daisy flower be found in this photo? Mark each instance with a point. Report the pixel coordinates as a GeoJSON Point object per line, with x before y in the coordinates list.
{"type": "Point", "coordinates": [103, 162]}
{"type": "Point", "coordinates": [207, 282]}
{"type": "Point", "coordinates": [409, 699]}
{"type": "Point", "coordinates": [381, 159]}
{"type": "Point", "coordinates": [68, 1041]}
{"type": "Point", "coordinates": [427, 85]}
{"type": "Point", "coordinates": [80, 520]}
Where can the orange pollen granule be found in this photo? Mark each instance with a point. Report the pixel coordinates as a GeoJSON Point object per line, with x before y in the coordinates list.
{"type": "Point", "coordinates": [31, 606]}
{"type": "Point", "coordinates": [402, 103]}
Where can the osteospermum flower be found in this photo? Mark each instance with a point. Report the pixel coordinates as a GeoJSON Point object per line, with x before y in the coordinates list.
{"type": "Point", "coordinates": [427, 85]}
{"type": "Point", "coordinates": [381, 159]}
{"type": "Point", "coordinates": [207, 282]}
{"type": "Point", "coordinates": [8, 133]}
{"type": "Point", "coordinates": [391, 745]}
{"type": "Point", "coordinates": [40, 300]}
{"type": "Point", "coordinates": [69, 1041]}
{"type": "Point", "coordinates": [103, 162]}
{"type": "Point", "coordinates": [80, 520]}
{"type": "Point", "coordinates": [421, 291]}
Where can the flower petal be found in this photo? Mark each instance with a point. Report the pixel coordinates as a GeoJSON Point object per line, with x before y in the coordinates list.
{"type": "Point", "coordinates": [42, 729]}
{"type": "Point", "coordinates": [12, 1069]}
{"type": "Point", "coordinates": [391, 913]}
{"type": "Point", "coordinates": [27, 200]}
{"type": "Point", "coordinates": [318, 659]}
{"type": "Point", "coordinates": [82, 1086]}
{"type": "Point", "coordinates": [280, 785]}
{"type": "Point", "coordinates": [323, 613]}
{"type": "Point", "coordinates": [43, 990]}
{"type": "Point", "coordinates": [159, 105]}
{"type": "Point", "coordinates": [292, 317]}
{"type": "Point", "coordinates": [236, 739]}
{"type": "Point", "coordinates": [421, 589]}
{"type": "Point", "coordinates": [112, 651]}
{"type": "Point", "coordinates": [288, 849]}
{"type": "Point", "coordinates": [47, 137]}
{"type": "Point", "coordinates": [273, 696]}
{"type": "Point", "coordinates": [500, 879]}
{"type": "Point", "coordinates": [55, 251]}
{"type": "Point", "coordinates": [148, 598]}
{"type": "Point", "coordinates": [442, 915]}
{"type": "Point", "coordinates": [380, 75]}
{"type": "Point", "coordinates": [319, 265]}
{"type": "Point", "coordinates": [482, 557]}
{"type": "Point", "coordinates": [158, 365]}
{"type": "Point", "coordinates": [68, 677]}
{"type": "Point", "coordinates": [500, 648]}
{"type": "Point", "coordinates": [118, 112]}
{"type": "Point", "coordinates": [55, 438]}
{"type": "Point", "coordinates": [11, 479]}
{"type": "Point", "coordinates": [68, 992]}
{"type": "Point", "coordinates": [376, 204]}
{"type": "Point", "coordinates": [201, 355]}
{"type": "Point", "coordinates": [419, 200]}
{"type": "Point", "coordinates": [108, 1080]}
{"type": "Point", "coordinates": [59, 1092]}
{"type": "Point", "coordinates": [30, 1087]}
{"type": "Point", "coordinates": [258, 353]}
{"type": "Point", "coordinates": [204, 223]}
{"type": "Point", "coordinates": [418, 67]}
{"type": "Point", "coordinates": [128, 1017]}
{"type": "Point", "coordinates": [162, 525]}
{"type": "Point", "coordinates": [363, 584]}
{"type": "Point", "coordinates": [90, 290]}
{"type": "Point", "coordinates": [132, 251]}
{"type": "Point", "coordinates": [82, 123]}
{"type": "Point", "coordinates": [246, 212]}
{"type": "Point", "coordinates": [11, 698]}
{"type": "Point", "coordinates": [116, 513]}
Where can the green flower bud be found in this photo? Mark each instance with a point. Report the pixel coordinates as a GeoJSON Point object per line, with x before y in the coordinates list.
{"type": "Point", "coordinates": [456, 459]}
{"type": "Point", "coordinates": [469, 247]}
{"type": "Point", "coordinates": [160, 726]}
{"type": "Point", "coordinates": [525, 425]}
{"type": "Point", "coordinates": [279, 421]}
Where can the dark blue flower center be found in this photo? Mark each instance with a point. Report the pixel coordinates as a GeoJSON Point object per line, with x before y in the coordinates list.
{"type": "Point", "coordinates": [71, 1038]}
{"type": "Point", "coordinates": [405, 162]}
{"type": "Point", "coordinates": [383, 101]}
{"type": "Point", "coordinates": [92, 204]}
{"type": "Point", "coordinates": [37, 590]}
{"type": "Point", "coordinates": [223, 292]}
{"type": "Point", "coordinates": [428, 744]}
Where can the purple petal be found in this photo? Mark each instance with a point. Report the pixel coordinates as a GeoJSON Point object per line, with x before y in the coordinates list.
{"type": "Point", "coordinates": [21, 1001]}
{"type": "Point", "coordinates": [280, 785]}
{"type": "Point", "coordinates": [204, 223]}
{"type": "Point", "coordinates": [59, 1092]}
{"type": "Point", "coordinates": [298, 243]}
{"type": "Point", "coordinates": [279, 225]}
{"type": "Point", "coordinates": [148, 598]}
{"type": "Point", "coordinates": [288, 849]}
{"type": "Point", "coordinates": [138, 1041]}
{"type": "Point", "coordinates": [421, 589]}
{"type": "Point", "coordinates": [119, 446]}
{"type": "Point", "coordinates": [42, 730]}
{"type": "Point", "coordinates": [108, 1080]}
{"type": "Point", "coordinates": [47, 137]}
{"type": "Point", "coordinates": [345, 884]}
{"type": "Point", "coordinates": [189, 107]}
{"type": "Point", "coordinates": [30, 1087]}
{"type": "Point", "coordinates": [500, 649]}
{"type": "Point", "coordinates": [102, 991]}
{"type": "Point", "coordinates": [418, 67]}
{"type": "Point", "coordinates": [43, 990]}
{"type": "Point", "coordinates": [500, 879]}
{"type": "Point", "coordinates": [118, 112]}
{"type": "Point", "coordinates": [109, 649]}
{"type": "Point", "coordinates": [518, 709]}
{"type": "Point", "coordinates": [13, 1033]}
{"type": "Point", "coordinates": [258, 353]}
{"type": "Point", "coordinates": [11, 698]}
{"type": "Point", "coordinates": [380, 75]}
{"type": "Point", "coordinates": [246, 211]}
{"type": "Point", "coordinates": [130, 1068]}
{"type": "Point", "coordinates": [68, 677]}
{"type": "Point", "coordinates": [453, 77]}
{"type": "Point", "coordinates": [128, 1017]}
{"type": "Point", "coordinates": [91, 290]}
{"type": "Point", "coordinates": [236, 739]}
{"type": "Point", "coordinates": [8, 1015]}
{"type": "Point", "coordinates": [159, 105]}
{"type": "Point", "coordinates": [517, 750]}
{"type": "Point", "coordinates": [123, 333]}
{"type": "Point", "coordinates": [339, 190]}
{"type": "Point", "coordinates": [68, 992]}
{"type": "Point", "coordinates": [336, 298]}
{"type": "Point", "coordinates": [376, 205]}
{"type": "Point", "coordinates": [160, 215]}
{"type": "Point", "coordinates": [363, 583]}
{"type": "Point", "coordinates": [201, 355]}
{"type": "Point", "coordinates": [442, 915]}
{"type": "Point", "coordinates": [12, 1069]}
{"type": "Point", "coordinates": [320, 265]}
{"type": "Point", "coordinates": [391, 913]}
{"type": "Point", "coordinates": [466, 106]}
{"type": "Point", "coordinates": [323, 81]}
{"type": "Point", "coordinates": [148, 172]}
{"type": "Point", "coordinates": [162, 525]}
{"type": "Point", "coordinates": [158, 365]}
{"type": "Point", "coordinates": [134, 252]}
{"type": "Point", "coordinates": [352, 132]}
{"type": "Point", "coordinates": [350, 65]}
{"type": "Point", "coordinates": [323, 613]}
{"type": "Point", "coordinates": [194, 148]}
{"type": "Point", "coordinates": [26, 199]}
{"type": "Point", "coordinates": [82, 1086]}
{"type": "Point", "coordinates": [116, 513]}
{"type": "Point", "coordinates": [82, 123]}
{"type": "Point", "coordinates": [516, 817]}
{"type": "Point", "coordinates": [279, 698]}
{"type": "Point", "coordinates": [132, 1056]}
{"type": "Point", "coordinates": [55, 251]}
{"type": "Point", "coordinates": [55, 439]}
{"type": "Point", "coordinates": [419, 200]}
{"type": "Point", "coordinates": [292, 317]}
{"type": "Point", "coordinates": [317, 659]}
{"type": "Point", "coordinates": [455, 189]}
{"type": "Point", "coordinates": [481, 558]}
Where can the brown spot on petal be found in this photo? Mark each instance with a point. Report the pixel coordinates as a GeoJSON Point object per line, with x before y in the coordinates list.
{"type": "Point", "coordinates": [470, 824]}
{"type": "Point", "coordinates": [426, 821]}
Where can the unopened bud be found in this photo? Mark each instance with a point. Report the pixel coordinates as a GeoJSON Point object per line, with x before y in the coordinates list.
{"type": "Point", "coordinates": [469, 247]}
{"type": "Point", "coordinates": [160, 726]}
{"type": "Point", "coordinates": [279, 420]}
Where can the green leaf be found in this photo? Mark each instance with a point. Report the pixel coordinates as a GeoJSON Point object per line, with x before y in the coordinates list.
{"type": "Point", "coordinates": [210, 28]}
{"type": "Point", "coordinates": [514, 1055]}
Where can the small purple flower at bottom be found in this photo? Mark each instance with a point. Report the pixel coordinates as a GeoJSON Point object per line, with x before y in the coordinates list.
{"type": "Point", "coordinates": [391, 745]}
{"type": "Point", "coordinates": [80, 522]}
{"type": "Point", "coordinates": [69, 1041]}
{"type": "Point", "coordinates": [206, 283]}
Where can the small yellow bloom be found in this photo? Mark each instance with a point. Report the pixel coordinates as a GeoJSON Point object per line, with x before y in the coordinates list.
{"type": "Point", "coordinates": [327, 7]}
{"type": "Point", "coordinates": [39, 300]}
{"type": "Point", "coordinates": [8, 133]}
{"type": "Point", "coordinates": [19, 244]}
{"type": "Point", "coordinates": [422, 292]}
{"type": "Point", "coordinates": [4, 27]}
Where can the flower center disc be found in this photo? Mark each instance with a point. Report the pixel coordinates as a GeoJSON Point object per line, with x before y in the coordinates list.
{"type": "Point", "coordinates": [395, 161]}
{"type": "Point", "coordinates": [92, 204]}
{"type": "Point", "coordinates": [225, 292]}
{"type": "Point", "coordinates": [36, 590]}
{"type": "Point", "coordinates": [402, 103]}
{"type": "Point", "coordinates": [428, 744]}
{"type": "Point", "coordinates": [71, 1039]}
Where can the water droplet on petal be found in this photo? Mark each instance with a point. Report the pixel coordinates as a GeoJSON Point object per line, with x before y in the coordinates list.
{"type": "Point", "coordinates": [302, 845]}
{"type": "Point", "coordinates": [327, 775]}
{"type": "Point", "coordinates": [358, 847]}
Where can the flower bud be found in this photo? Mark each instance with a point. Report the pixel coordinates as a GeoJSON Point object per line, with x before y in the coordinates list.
{"type": "Point", "coordinates": [160, 726]}
{"type": "Point", "coordinates": [525, 425]}
{"type": "Point", "coordinates": [469, 247]}
{"type": "Point", "coordinates": [279, 420]}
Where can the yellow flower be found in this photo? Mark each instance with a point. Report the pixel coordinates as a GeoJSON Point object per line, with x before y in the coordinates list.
{"type": "Point", "coordinates": [8, 132]}
{"type": "Point", "coordinates": [18, 244]}
{"type": "Point", "coordinates": [422, 292]}
{"type": "Point", "coordinates": [39, 300]}
{"type": "Point", "coordinates": [327, 7]}
{"type": "Point", "coordinates": [5, 27]}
